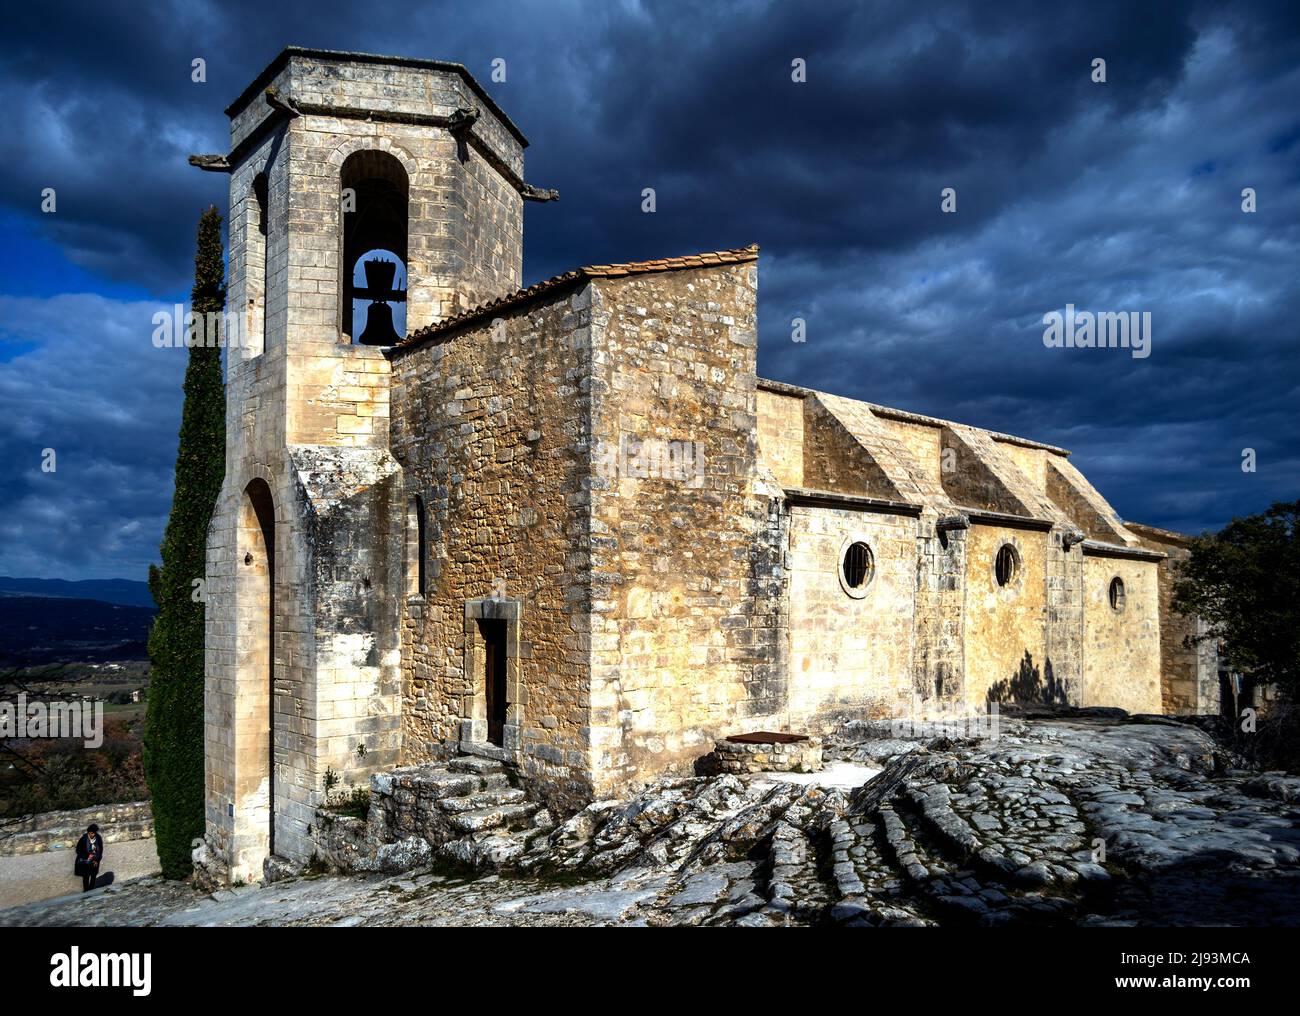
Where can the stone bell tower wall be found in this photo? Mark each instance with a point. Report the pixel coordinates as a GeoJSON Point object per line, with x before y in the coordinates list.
{"type": "Point", "coordinates": [466, 221]}
{"type": "Point", "coordinates": [304, 576]}
{"type": "Point", "coordinates": [464, 214]}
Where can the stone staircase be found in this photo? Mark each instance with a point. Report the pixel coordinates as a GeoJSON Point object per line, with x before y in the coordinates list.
{"type": "Point", "coordinates": [465, 812]}
{"type": "Point", "coordinates": [495, 821]}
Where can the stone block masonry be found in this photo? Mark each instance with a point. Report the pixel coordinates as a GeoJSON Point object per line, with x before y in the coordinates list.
{"type": "Point", "coordinates": [767, 753]}
{"type": "Point", "coordinates": [493, 433]}
{"type": "Point", "coordinates": [1189, 670]}
{"type": "Point", "coordinates": [687, 614]}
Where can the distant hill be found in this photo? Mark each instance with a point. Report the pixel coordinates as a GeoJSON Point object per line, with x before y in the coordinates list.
{"type": "Point", "coordinates": [48, 629]}
{"type": "Point", "coordinates": [124, 591]}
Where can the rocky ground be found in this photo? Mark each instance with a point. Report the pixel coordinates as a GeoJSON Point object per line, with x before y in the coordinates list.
{"type": "Point", "coordinates": [1078, 819]}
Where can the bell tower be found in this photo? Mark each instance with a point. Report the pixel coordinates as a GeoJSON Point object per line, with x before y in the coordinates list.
{"type": "Point", "coordinates": [369, 197]}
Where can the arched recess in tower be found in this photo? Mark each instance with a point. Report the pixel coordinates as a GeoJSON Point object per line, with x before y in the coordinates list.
{"type": "Point", "coordinates": [255, 754]}
{"type": "Point", "coordinates": [375, 198]}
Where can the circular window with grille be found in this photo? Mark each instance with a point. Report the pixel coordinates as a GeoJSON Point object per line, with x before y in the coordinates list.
{"type": "Point", "coordinates": [1116, 593]}
{"type": "Point", "coordinates": [1006, 564]}
{"type": "Point", "coordinates": [857, 567]}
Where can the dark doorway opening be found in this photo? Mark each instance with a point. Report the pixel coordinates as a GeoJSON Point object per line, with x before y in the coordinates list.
{"type": "Point", "coordinates": [1236, 693]}
{"type": "Point", "coordinates": [494, 677]}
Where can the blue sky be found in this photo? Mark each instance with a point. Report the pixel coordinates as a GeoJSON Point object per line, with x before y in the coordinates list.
{"type": "Point", "coordinates": [1122, 196]}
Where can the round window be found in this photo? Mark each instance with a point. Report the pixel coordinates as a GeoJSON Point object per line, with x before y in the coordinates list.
{"type": "Point", "coordinates": [1116, 593]}
{"type": "Point", "coordinates": [1006, 564]}
{"type": "Point", "coordinates": [857, 567]}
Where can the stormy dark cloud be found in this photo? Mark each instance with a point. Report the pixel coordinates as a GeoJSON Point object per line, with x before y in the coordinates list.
{"type": "Point", "coordinates": [1117, 196]}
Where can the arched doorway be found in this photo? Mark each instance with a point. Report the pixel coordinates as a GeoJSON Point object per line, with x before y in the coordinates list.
{"type": "Point", "coordinates": [255, 674]}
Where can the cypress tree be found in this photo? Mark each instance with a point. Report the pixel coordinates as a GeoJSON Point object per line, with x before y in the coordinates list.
{"type": "Point", "coordinates": [173, 737]}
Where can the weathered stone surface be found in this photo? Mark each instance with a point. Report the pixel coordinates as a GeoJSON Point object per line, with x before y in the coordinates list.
{"type": "Point", "coordinates": [409, 854]}
{"type": "Point", "coordinates": [1279, 786]}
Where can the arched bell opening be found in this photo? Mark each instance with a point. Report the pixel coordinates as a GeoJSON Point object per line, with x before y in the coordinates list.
{"type": "Point", "coordinates": [258, 267]}
{"type": "Point", "coordinates": [375, 200]}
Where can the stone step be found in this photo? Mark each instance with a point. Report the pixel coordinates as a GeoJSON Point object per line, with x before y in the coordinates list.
{"type": "Point", "coordinates": [945, 842]}
{"type": "Point", "coordinates": [843, 839]}
{"type": "Point", "coordinates": [496, 851]}
{"type": "Point", "coordinates": [491, 852]}
{"type": "Point", "coordinates": [961, 887]}
{"type": "Point", "coordinates": [476, 765]}
{"type": "Point", "coordinates": [483, 819]}
{"type": "Point", "coordinates": [872, 891]}
{"type": "Point", "coordinates": [428, 781]}
{"type": "Point", "coordinates": [483, 799]}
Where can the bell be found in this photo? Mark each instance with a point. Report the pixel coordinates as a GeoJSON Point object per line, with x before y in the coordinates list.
{"type": "Point", "coordinates": [379, 329]}
{"type": "Point", "coordinates": [379, 277]}
{"type": "Point", "coordinates": [379, 316]}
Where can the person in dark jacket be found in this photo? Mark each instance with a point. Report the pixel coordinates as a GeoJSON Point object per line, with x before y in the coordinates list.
{"type": "Point", "coordinates": [90, 852]}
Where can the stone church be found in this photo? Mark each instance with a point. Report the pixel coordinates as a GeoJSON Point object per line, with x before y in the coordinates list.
{"type": "Point", "coordinates": [569, 527]}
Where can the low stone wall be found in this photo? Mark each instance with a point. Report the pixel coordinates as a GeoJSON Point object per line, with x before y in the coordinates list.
{"type": "Point", "coordinates": [758, 753]}
{"type": "Point", "coordinates": [60, 830]}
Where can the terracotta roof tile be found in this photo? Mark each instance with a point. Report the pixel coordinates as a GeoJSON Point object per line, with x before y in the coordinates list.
{"type": "Point", "coordinates": [522, 296]}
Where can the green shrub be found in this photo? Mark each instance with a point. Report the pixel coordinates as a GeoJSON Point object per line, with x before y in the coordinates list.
{"type": "Point", "coordinates": [173, 738]}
